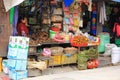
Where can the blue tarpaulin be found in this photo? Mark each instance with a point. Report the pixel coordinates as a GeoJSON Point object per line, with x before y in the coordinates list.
{"type": "Point", "coordinates": [68, 2]}
{"type": "Point", "coordinates": [116, 0]}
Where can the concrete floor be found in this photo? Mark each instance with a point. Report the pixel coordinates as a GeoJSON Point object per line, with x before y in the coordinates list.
{"type": "Point", "coordinates": [104, 73]}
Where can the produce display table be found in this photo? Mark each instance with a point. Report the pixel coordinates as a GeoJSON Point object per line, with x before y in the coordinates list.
{"type": "Point", "coordinates": [60, 59]}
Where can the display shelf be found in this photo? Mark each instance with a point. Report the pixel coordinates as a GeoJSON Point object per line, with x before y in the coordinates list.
{"type": "Point", "coordinates": [59, 60]}
{"type": "Point", "coordinates": [48, 44]}
{"type": "Point", "coordinates": [56, 21]}
{"type": "Point", "coordinates": [59, 43]}
{"type": "Point", "coordinates": [33, 53]}
{"type": "Point", "coordinates": [35, 45]}
{"type": "Point", "coordinates": [57, 14]}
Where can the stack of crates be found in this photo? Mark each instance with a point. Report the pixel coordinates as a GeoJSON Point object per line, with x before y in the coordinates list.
{"type": "Point", "coordinates": [17, 57]}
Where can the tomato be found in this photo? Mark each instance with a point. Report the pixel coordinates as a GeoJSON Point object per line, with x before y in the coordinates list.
{"type": "Point", "coordinates": [92, 63]}
{"type": "Point", "coordinates": [89, 64]}
{"type": "Point", "coordinates": [96, 62]}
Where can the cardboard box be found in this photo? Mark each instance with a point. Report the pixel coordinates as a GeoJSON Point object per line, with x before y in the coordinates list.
{"type": "Point", "coordinates": [12, 47]}
{"type": "Point", "coordinates": [17, 75]}
{"type": "Point", "coordinates": [17, 64]}
{"type": "Point", "coordinates": [18, 47]}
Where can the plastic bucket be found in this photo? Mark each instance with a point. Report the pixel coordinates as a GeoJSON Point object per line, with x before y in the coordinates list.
{"type": "Point", "coordinates": [115, 55]}
{"type": "Point", "coordinates": [52, 34]}
{"type": "Point", "coordinates": [104, 39]}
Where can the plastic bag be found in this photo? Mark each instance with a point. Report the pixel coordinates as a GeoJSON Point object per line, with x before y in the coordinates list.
{"type": "Point", "coordinates": [46, 52]}
{"type": "Point", "coordinates": [108, 49]}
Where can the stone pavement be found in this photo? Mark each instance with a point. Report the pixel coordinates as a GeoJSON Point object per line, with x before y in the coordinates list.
{"type": "Point", "coordinates": [104, 62]}
{"type": "Point", "coordinates": [103, 73]}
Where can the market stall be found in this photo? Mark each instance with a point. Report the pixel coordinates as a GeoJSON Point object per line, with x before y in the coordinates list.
{"type": "Point", "coordinates": [59, 37]}
{"type": "Point", "coordinates": [58, 34]}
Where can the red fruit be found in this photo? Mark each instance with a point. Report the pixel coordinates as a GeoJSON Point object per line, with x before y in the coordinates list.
{"type": "Point", "coordinates": [93, 63]}
{"type": "Point", "coordinates": [96, 62]}
{"type": "Point", "coordinates": [89, 64]}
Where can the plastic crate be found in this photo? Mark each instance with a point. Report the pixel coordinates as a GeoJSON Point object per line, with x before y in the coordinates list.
{"type": "Point", "coordinates": [55, 60]}
{"type": "Point", "coordinates": [70, 58]}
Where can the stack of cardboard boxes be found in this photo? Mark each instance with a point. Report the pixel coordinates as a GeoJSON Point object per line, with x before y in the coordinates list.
{"type": "Point", "coordinates": [17, 57]}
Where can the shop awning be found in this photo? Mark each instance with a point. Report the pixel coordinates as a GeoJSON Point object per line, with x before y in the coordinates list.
{"type": "Point", "coordinates": [11, 3]}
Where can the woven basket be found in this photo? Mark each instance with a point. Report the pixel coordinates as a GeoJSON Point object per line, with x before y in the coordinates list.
{"type": "Point", "coordinates": [70, 50]}
{"type": "Point", "coordinates": [82, 62]}
{"type": "Point", "coordinates": [91, 53]}
{"type": "Point", "coordinates": [82, 66]}
{"type": "Point", "coordinates": [56, 50]}
{"type": "Point", "coordinates": [76, 44]}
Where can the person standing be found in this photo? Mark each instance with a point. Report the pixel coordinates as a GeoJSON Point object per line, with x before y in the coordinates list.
{"type": "Point", "coordinates": [112, 19]}
{"type": "Point", "coordinates": [116, 31]}
{"type": "Point", "coordinates": [22, 29]}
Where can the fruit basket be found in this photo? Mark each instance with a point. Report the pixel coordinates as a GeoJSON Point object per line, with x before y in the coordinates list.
{"type": "Point", "coordinates": [56, 50]}
{"type": "Point", "coordinates": [79, 41]}
{"type": "Point", "coordinates": [79, 45]}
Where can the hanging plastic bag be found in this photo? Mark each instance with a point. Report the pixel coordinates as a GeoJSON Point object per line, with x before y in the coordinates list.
{"type": "Point", "coordinates": [71, 21]}
{"type": "Point", "coordinates": [66, 21]}
{"type": "Point", "coordinates": [76, 22]}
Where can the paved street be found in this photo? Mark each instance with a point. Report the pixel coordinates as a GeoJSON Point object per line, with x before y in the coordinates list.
{"type": "Point", "coordinates": [104, 73]}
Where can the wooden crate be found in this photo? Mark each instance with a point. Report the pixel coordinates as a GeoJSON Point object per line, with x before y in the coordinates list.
{"type": "Point", "coordinates": [40, 65]}
{"type": "Point", "coordinates": [69, 60]}
{"type": "Point", "coordinates": [55, 60]}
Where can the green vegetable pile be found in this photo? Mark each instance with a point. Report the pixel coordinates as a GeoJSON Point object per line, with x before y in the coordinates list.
{"type": "Point", "coordinates": [86, 55]}
{"type": "Point", "coordinates": [91, 53]}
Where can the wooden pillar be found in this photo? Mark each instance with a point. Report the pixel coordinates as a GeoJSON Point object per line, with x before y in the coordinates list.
{"type": "Point", "coordinates": [4, 29]}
